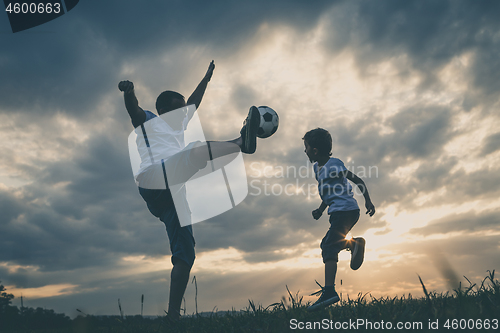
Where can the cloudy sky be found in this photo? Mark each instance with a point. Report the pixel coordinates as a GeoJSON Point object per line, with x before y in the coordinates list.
{"type": "Point", "coordinates": [408, 89]}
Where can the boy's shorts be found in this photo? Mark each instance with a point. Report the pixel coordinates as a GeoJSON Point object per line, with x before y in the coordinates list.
{"type": "Point", "coordinates": [334, 241]}
{"type": "Point", "coordinates": [161, 205]}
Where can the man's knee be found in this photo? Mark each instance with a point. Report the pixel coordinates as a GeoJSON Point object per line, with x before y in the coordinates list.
{"type": "Point", "coordinates": [182, 264]}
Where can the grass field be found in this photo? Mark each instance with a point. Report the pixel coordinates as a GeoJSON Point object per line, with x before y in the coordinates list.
{"type": "Point", "coordinates": [475, 308]}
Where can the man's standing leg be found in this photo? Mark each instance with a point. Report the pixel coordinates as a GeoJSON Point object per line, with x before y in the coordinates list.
{"type": "Point", "coordinates": [178, 283]}
{"type": "Point", "coordinates": [183, 255]}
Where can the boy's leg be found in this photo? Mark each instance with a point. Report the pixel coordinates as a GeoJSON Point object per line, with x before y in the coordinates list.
{"type": "Point", "coordinates": [334, 242]}
{"type": "Point", "coordinates": [340, 224]}
{"type": "Point", "coordinates": [357, 247]}
{"type": "Point", "coordinates": [330, 257]}
{"type": "Point", "coordinates": [330, 272]}
{"type": "Point", "coordinates": [328, 294]}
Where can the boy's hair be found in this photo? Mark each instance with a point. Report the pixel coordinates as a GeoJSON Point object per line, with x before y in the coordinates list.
{"type": "Point", "coordinates": [320, 139]}
{"type": "Point", "coordinates": [165, 100]}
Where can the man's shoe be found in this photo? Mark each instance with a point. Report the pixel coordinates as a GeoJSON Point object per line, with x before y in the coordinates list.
{"type": "Point", "coordinates": [172, 321]}
{"type": "Point", "coordinates": [249, 131]}
{"type": "Point", "coordinates": [358, 252]}
{"type": "Point", "coordinates": [328, 296]}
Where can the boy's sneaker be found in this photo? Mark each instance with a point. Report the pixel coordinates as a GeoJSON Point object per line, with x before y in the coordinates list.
{"type": "Point", "coordinates": [328, 296]}
{"type": "Point", "coordinates": [249, 131]}
{"type": "Point", "coordinates": [358, 252]}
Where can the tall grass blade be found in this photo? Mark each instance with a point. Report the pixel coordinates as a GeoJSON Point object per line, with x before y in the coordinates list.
{"type": "Point", "coordinates": [252, 305]}
{"type": "Point", "coordinates": [78, 310]}
{"type": "Point", "coordinates": [142, 304]}
{"type": "Point", "coordinates": [291, 297]}
{"type": "Point", "coordinates": [196, 293]}
{"type": "Point", "coordinates": [120, 307]}
{"type": "Point", "coordinates": [423, 287]}
{"type": "Point", "coordinates": [432, 309]}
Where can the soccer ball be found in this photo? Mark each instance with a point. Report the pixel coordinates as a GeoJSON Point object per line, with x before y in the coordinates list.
{"type": "Point", "coordinates": [269, 121]}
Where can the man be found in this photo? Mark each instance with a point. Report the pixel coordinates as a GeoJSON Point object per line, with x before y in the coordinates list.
{"type": "Point", "coordinates": [162, 148]}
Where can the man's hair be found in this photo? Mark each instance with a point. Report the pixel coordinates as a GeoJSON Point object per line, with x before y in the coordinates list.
{"type": "Point", "coordinates": [164, 101]}
{"type": "Point", "coordinates": [320, 139]}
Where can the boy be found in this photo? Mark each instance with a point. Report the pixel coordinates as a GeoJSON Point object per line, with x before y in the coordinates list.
{"type": "Point", "coordinates": [162, 148]}
{"type": "Point", "coordinates": [336, 193]}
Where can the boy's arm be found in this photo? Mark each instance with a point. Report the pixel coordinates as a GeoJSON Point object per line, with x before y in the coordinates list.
{"type": "Point", "coordinates": [370, 208]}
{"type": "Point", "coordinates": [198, 93]}
{"type": "Point", "coordinates": [318, 212]}
{"type": "Point", "coordinates": [137, 115]}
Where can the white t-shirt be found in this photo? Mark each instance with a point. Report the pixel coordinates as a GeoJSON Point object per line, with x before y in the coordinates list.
{"type": "Point", "coordinates": [157, 140]}
{"type": "Point", "coordinates": [334, 188]}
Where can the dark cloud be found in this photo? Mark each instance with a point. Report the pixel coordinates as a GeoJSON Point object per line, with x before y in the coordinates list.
{"type": "Point", "coordinates": [80, 212]}
{"type": "Point", "coordinates": [9, 206]}
{"type": "Point", "coordinates": [257, 225]}
{"type": "Point", "coordinates": [244, 96]}
{"type": "Point", "coordinates": [460, 248]}
{"type": "Point", "coordinates": [417, 134]}
{"type": "Point", "coordinates": [491, 144]}
{"type": "Point", "coordinates": [58, 78]}
{"type": "Point", "coordinates": [430, 33]}
{"type": "Point", "coordinates": [465, 223]}
{"type": "Point", "coordinates": [420, 131]}
{"type": "Point", "coordinates": [79, 57]}
{"type": "Point", "coordinates": [479, 184]}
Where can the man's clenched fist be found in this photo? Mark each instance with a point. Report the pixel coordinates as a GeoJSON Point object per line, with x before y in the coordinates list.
{"type": "Point", "coordinates": [126, 86]}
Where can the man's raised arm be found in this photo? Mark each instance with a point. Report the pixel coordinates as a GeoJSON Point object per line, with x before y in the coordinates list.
{"type": "Point", "coordinates": [197, 95]}
{"type": "Point", "coordinates": [137, 115]}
